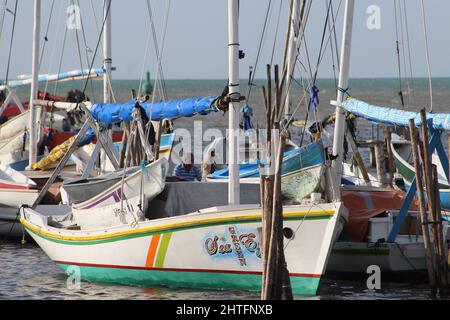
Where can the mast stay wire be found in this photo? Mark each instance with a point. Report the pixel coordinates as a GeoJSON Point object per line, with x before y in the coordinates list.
{"type": "Point", "coordinates": [3, 10]}
{"type": "Point", "coordinates": [52, 60]}
{"type": "Point", "coordinates": [397, 48]}
{"type": "Point", "coordinates": [276, 32]}
{"type": "Point", "coordinates": [260, 45]}
{"type": "Point", "coordinates": [11, 43]}
{"type": "Point", "coordinates": [409, 49]}
{"type": "Point", "coordinates": [425, 32]}
{"type": "Point", "coordinates": [402, 36]}
{"type": "Point", "coordinates": [161, 80]}
{"type": "Point", "coordinates": [87, 49]}
{"type": "Point", "coordinates": [158, 64]}
{"type": "Point", "coordinates": [102, 49]}
{"type": "Point", "coordinates": [320, 62]}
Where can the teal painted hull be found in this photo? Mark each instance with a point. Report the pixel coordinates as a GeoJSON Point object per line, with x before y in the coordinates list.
{"type": "Point", "coordinates": [304, 286]}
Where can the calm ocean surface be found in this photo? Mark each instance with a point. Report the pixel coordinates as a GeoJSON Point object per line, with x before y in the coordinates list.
{"type": "Point", "coordinates": [27, 273]}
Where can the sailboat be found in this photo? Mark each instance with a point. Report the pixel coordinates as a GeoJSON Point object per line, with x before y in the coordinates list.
{"type": "Point", "coordinates": [216, 248]}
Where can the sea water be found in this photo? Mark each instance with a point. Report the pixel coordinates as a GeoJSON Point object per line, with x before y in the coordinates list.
{"type": "Point", "coordinates": [27, 273]}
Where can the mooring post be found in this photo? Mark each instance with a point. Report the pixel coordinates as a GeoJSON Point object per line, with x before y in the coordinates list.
{"type": "Point", "coordinates": [437, 217]}
{"type": "Point", "coordinates": [390, 156]}
{"type": "Point", "coordinates": [422, 207]}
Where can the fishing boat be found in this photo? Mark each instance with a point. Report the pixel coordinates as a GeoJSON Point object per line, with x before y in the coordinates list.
{"type": "Point", "coordinates": [372, 213]}
{"type": "Point", "coordinates": [16, 189]}
{"type": "Point", "coordinates": [147, 181]}
{"type": "Point", "coordinates": [401, 149]}
{"type": "Point", "coordinates": [383, 227]}
{"type": "Point", "coordinates": [293, 160]}
{"type": "Point", "coordinates": [216, 248]}
{"type": "Point", "coordinates": [81, 190]}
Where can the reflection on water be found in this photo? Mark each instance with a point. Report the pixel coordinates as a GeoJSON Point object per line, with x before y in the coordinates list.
{"type": "Point", "coordinates": [27, 273]}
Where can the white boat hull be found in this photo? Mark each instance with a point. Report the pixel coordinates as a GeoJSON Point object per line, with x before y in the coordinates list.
{"type": "Point", "coordinates": [216, 248]}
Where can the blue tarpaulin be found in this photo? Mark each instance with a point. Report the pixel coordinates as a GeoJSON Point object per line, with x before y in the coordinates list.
{"type": "Point", "coordinates": [392, 116]}
{"type": "Point", "coordinates": [112, 113]}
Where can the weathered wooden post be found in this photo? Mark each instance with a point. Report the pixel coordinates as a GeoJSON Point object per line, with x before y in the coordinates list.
{"type": "Point", "coordinates": [437, 217]}
{"type": "Point", "coordinates": [422, 207]}
{"type": "Point", "coordinates": [390, 156]}
{"type": "Point", "coordinates": [275, 278]}
{"type": "Point", "coordinates": [380, 163]}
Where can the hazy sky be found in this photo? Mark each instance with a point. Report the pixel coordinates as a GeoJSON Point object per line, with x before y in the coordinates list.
{"type": "Point", "coordinates": [196, 40]}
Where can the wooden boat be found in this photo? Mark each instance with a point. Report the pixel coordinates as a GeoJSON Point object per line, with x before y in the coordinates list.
{"type": "Point", "coordinates": [150, 180]}
{"type": "Point", "coordinates": [80, 190]}
{"type": "Point", "coordinates": [77, 191]}
{"type": "Point", "coordinates": [372, 213]}
{"type": "Point", "coordinates": [16, 189]}
{"type": "Point", "coordinates": [293, 160]}
{"type": "Point", "coordinates": [401, 150]}
{"type": "Point", "coordinates": [216, 248]}
{"type": "Point", "coordinates": [300, 184]}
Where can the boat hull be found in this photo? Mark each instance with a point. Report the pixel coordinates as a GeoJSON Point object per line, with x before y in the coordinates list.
{"type": "Point", "coordinates": [407, 171]}
{"type": "Point", "coordinates": [215, 249]}
{"type": "Point", "coordinates": [150, 180]}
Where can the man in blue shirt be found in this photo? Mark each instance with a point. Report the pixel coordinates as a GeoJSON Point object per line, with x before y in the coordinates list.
{"type": "Point", "coordinates": [187, 170]}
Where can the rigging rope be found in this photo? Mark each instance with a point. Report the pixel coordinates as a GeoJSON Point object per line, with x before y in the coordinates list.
{"type": "Point", "coordinates": [3, 10]}
{"type": "Point", "coordinates": [96, 47]}
{"type": "Point", "coordinates": [55, 89]}
{"type": "Point", "coordinates": [276, 32]}
{"type": "Point", "coordinates": [260, 45]}
{"type": "Point", "coordinates": [409, 49]}
{"type": "Point", "coordinates": [11, 43]}
{"type": "Point", "coordinates": [87, 49]}
{"type": "Point", "coordinates": [158, 66]}
{"type": "Point", "coordinates": [101, 45]}
{"type": "Point", "coordinates": [402, 35]}
{"type": "Point", "coordinates": [425, 32]}
{"type": "Point", "coordinates": [52, 61]}
{"type": "Point", "coordinates": [46, 32]}
{"type": "Point", "coordinates": [397, 47]}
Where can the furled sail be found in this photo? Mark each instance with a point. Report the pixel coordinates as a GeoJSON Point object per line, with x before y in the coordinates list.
{"type": "Point", "coordinates": [392, 116]}
{"type": "Point", "coordinates": [110, 113]}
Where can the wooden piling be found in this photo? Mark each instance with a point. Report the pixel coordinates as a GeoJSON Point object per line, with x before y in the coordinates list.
{"type": "Point", "coordinates": [422, 206]}
{"type": "Point", "coordinates": [275, 279]}
{"type": "Point", "coordinates": [380, 164]}
{"type": "Point", "coordinates": [430, 190]}
{"type": "Point", "coordinates": [437, 217]}
{"type": "Point", "coordinates": [390, 156]}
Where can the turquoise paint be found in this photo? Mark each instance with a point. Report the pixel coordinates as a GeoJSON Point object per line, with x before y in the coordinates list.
{"type": "Point", "coordinates": [304, 286]}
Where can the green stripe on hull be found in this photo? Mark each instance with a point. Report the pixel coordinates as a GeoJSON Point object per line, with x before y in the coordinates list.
{"type": "Point", "coordinates": [305, 286]}
{"type": "Point", "coordinates": [163, 250]}
{"type": "Point", "coordinates": [409, 174]}
{"type": "Point", "coordinates": [165, 230]}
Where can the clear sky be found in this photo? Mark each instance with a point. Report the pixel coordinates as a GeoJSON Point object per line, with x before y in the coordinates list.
{"type": "Point", "coordinates": [196, 40]}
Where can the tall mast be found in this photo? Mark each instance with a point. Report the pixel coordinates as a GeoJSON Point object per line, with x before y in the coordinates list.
{"type": "Point", "coordinates": [233, 86]}
{"type": "Point", "coordinates": [34, 83]}
{"type": "Point", "coordinates": [291, 55]}
{"type": "Point", "coordinates": [339, 128]}
{"type": "Point", "coordinates": [107, 59]}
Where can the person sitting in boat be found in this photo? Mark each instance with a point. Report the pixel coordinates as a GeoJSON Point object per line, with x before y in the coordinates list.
{"type": "Point", "coordinates": [187, 170]}
{"type": "Point", "coordinates": [209, 165]}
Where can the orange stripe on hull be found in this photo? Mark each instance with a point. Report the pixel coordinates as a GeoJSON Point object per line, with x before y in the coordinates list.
{"type": "Point", "coordinates": [152, 251]}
